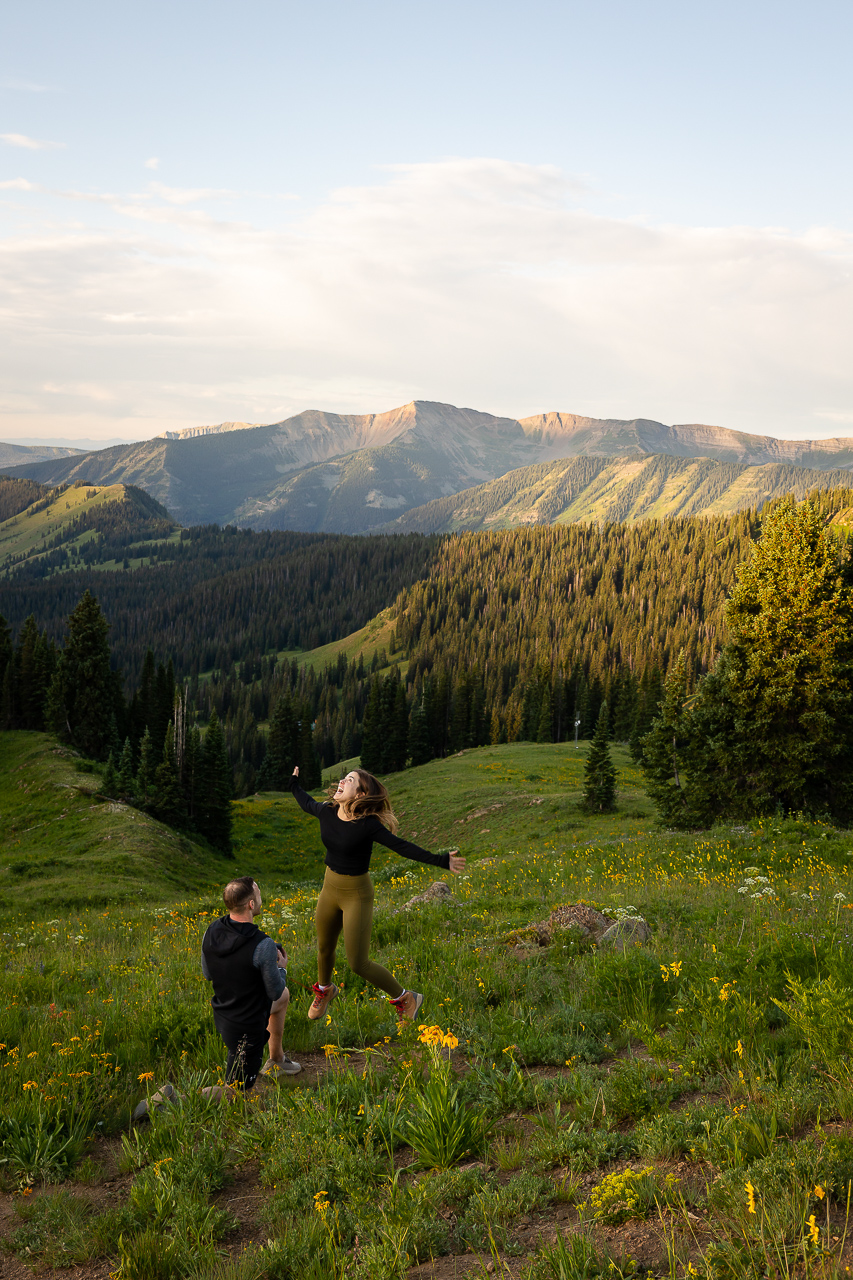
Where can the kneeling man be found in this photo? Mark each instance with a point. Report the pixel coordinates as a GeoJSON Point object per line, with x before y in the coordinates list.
{"type": "Point", "coordinates": [250, 995]}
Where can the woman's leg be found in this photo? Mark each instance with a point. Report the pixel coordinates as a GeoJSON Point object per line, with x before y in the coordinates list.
{"type": "Point", "coordinates": [357, 904]}
{"type": "Point", "coordinates": [328, 920]}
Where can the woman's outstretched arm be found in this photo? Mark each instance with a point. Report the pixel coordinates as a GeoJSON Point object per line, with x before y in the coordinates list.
{"type": "Point", "coordinates": [302, 797]}
{"type": "Point", "coordinates": [447, 861]}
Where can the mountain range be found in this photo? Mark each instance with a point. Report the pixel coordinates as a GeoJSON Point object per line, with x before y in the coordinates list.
{"type": "Point", "coordinates": [360, 473]}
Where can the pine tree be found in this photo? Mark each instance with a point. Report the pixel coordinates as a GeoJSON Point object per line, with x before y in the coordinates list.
{"type": "Point", "coordinates": [83, 694]}
{"type": "Point", "coordinates": [109, 782]}
{"type": "Point", "coordinates": [599, 779]}
{"type": "Point", "coordinates": [214, 816]}
{"type": "Point", "coordinates": [398, 731]}
{"type": "Point", "coordinates": [666, 749]}
{"type": "Point", "coordinates": [167, 799]}
{"type": "Point", "coordinates": [419, 742]}
{"type": "Point", "coordinates": [147, 768]}
{"type": "Point", "coordinates": [772, 725]}
{"type": "Point", "coordinates": [282, 746]}
{"type": "Point", "coordinates": [191, 767]}
{"type": "Point", "coordinates": [545, 730]}
{"type": "Point", "coordinates": [310, 773]}
{"type": "Point", "coordinates": [371, 731]}
{"type": "Point", "coordinates": [125, 770]}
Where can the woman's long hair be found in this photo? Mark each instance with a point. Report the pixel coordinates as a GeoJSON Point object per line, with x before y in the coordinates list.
{"type": "Point", "coordinates": [375, 799]}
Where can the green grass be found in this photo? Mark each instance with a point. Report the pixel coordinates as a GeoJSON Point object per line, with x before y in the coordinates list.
{"type": "Point", "coordinates": [375, 635]}
{"type": "Point", "coordinates": [65, 847]}
{"type": "Point", "coordinates": [723, 1044]}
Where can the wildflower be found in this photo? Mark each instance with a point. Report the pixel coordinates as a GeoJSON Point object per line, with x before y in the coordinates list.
{"type": "Point", "coordinates": [750, 1197]}
{"type": "Point", "coordinates": [814, 1230]}
{"type": "Point", "coordinates": [29, 1084]}
{"type": "Point", "coordinates": [146, 1075]}
{"type": "Point", "coordinates": [819, 1192]}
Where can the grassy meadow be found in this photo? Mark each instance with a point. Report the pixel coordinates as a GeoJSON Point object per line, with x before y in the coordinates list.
{"type": "Point", "coordinates": [679, 1108]}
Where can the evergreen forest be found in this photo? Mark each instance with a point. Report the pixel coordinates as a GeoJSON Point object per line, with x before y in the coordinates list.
{"type": "Point", "coordinates": [521, 635]}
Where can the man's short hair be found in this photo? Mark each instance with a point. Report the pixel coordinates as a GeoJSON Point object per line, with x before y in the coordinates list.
{"type": "Point", "coordinates": [237, 892]}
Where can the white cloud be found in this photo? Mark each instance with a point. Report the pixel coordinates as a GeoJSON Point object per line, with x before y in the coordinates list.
{"type": "Point", "coordinates": [153, 162]}
{"type": "Point", "coordinates": [483, 282]}
{"type": "Point", "coordinates": [30, 144]}
{"type": "Point", "coordinates": [18, 184]}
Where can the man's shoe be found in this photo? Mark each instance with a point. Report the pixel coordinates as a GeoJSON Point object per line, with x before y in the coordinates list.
{"type": "Point", "coordinates": [287, 1067]}
{"type": "Point", "coordinates": [408, 1005]}
{"type": "Point", "coordinates": [158, 1101]}
{"type": "Point", "coordinates": [322, 1000]}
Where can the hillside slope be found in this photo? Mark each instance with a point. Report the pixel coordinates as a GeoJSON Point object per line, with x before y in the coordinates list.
{"type": "Point", "coordinates": [65, 848]}
{"type": "Point", "coordinates": [626, 489]}
{"type": "Point", "coordinates": [16, 455]}
{"type": "Point", "coordinates": [65, 523]}
{"type": "Point", "coordinates": [349, 473]}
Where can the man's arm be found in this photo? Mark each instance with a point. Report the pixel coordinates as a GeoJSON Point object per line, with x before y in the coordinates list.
{"type": "Point", "coordinates": [266, 959]}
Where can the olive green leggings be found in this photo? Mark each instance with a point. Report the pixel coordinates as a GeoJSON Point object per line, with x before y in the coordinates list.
{"type": "Point", "coordinates": [346, 902]}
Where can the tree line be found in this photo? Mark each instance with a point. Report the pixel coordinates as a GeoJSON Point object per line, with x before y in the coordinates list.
{"type": "Point", "coordinates": [521, 635]}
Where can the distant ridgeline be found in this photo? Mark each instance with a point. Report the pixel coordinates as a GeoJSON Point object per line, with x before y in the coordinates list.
{"type": "Point", "coordinates": [498, 636]}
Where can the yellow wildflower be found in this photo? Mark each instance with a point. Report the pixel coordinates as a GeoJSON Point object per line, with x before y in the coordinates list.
{"type": "Point", "coordinates": [750, 1197]}
{"type": "Point", "coordinates": [814, 1230]}
{"type": "Point", "coordinates": [146, 1075]}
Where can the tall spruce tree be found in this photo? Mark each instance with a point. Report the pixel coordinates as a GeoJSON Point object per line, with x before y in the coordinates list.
{"type": "Point", "coordinates": [282, 746]}
{"type": "Point", "coordinates": [125, 771]}
{"type": "Point", "coordinates": [147, 768]}
{"type": "Point", "coordinates": [214, 817]}
{"type": "Point", "coordinates": [666, 749]}
{"type": "Point", "coordinates": [419, 742]}
{"type": "Point", "coordinates": [599, 778]}
{"type": "Point", "coordinates": [310, 772]}
{"type": "Point", "coordinates": [85, 694]}
{"type": "Point", "coordinates": [167, 798]}
{"type": "Point", "coordinates": [776, 716]}
{"type": "Point", "coordinates": [371, 730]}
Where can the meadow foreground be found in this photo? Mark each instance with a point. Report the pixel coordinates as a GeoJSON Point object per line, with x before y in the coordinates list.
{"type": "Point", "coordinates": [562, 1110]}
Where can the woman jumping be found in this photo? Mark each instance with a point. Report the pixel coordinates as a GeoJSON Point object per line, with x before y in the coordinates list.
{"type": "Point", "coordinates": [358, 814]}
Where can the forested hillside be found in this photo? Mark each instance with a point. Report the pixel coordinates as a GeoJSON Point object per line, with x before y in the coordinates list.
{"type": "Point", "coordinates": [625, 489]}
{"type": "Point", "coordinates": [496, 637]}
{"type": "Point", "coordinates": [45, 531]}
{"type": "Point", "coordinates": [215, 597]}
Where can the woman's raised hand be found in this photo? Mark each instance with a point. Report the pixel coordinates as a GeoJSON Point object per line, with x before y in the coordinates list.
{"type": "Point", "coordinates": [296, 771]}
{"type": "Point", "coordinates": [457, 863]}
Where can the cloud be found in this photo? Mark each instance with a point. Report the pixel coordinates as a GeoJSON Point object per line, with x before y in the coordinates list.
{"type": "Point", "coordinates": [18, 184]}
{"type": "Point", "coordinates": [484, 282]}
{"type": "Point", "coordinates": [153, 163]}
{"type": "Point", "coordinates": [30, 144]}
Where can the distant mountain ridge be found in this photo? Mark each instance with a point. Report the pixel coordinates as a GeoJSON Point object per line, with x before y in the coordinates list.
{"type": "Point", "coordinates": [618, 490]}
{"type": "Point", "coordinates": [16, 455]}
{"type": "Point", "coordinates": [352, 473]}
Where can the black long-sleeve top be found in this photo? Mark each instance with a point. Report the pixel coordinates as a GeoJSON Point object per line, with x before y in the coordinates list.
{"type": "Point", "coordinates": [350, 844]}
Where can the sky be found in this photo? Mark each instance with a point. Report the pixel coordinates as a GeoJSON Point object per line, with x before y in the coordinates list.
{"type": "Point", "coordinates": [212, 212]}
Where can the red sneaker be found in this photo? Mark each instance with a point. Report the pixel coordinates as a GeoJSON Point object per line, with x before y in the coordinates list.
{"type": "Point", "coordinates": [407, 1005]}
{"type": "Point", "coordinates": [322, 1000]}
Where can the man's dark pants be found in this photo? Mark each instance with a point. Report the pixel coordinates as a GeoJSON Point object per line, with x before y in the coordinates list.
{"type": "Point", "coordinates": [245, 1045]}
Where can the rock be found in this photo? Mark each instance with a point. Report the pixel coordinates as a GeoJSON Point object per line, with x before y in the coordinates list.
{"type": "Point", "coordinates": [632, 932]}
{"type": "Point", "coordinates": [589, 923]}
{"type": "Point", "coordinates": [439, 891]}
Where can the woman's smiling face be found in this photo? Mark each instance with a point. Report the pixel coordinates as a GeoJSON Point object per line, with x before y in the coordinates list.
{"type": "Point", "coordinates": [348, 788]}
